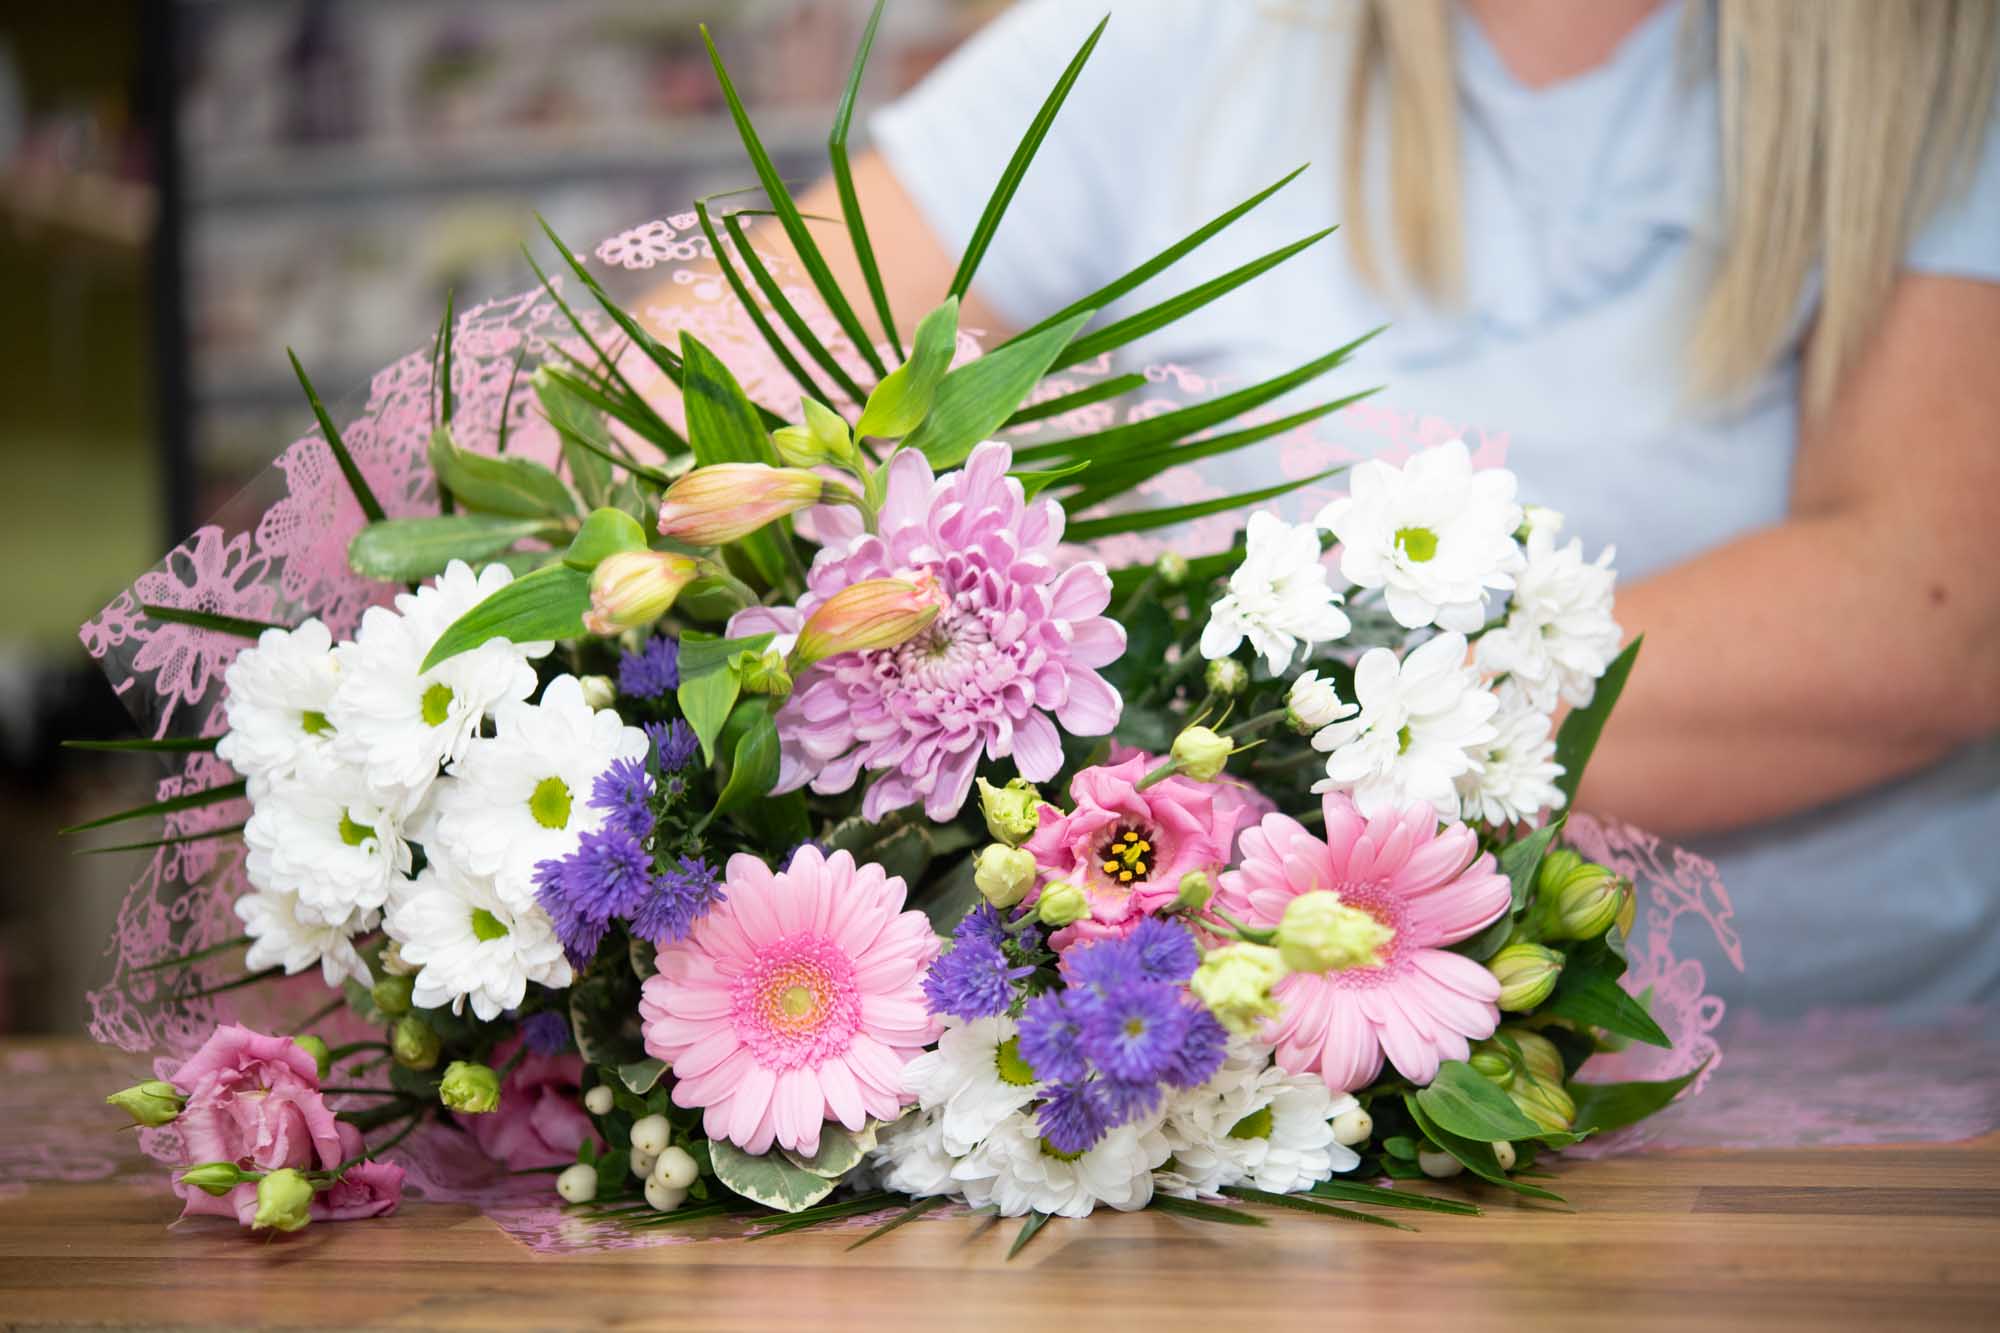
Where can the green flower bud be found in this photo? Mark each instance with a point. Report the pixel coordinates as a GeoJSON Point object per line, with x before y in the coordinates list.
{"type": "Point", "coordinates": [1628, 909]}
{"type": "Point", "coordinates": [284, 1201]}
{"type": "Point", "coordinates": [1195, 891]}
{"type": "Point", "coordinates": [1172, 567]}
{"type": "Point", "coordinates": [415, 1043]}
{"type": "Point", "coordinates": [1544, 1061]}
{"type": "Point", "coordinates": [1003, 874]}
{"type": "Point", "coordinates": [766, 674]}
{"type": "Point", "coordinates": [313, 1046]}
{"type": "Point", "coordinates": [1235, 983]}
{"type": "Point", "coordinates": [1545, 1103]}
{"type": "Point", "coordinates": [1527, 974]}
{"type": "Point", "coordinates": [468, 1087]}
{"type": "Point", "coordinates": [1012, 812]}
{"type": "Point", "coordinates": [1061, 904]}
{"type": "Point", "coordinates": [1201, 753]}
{"type": "Point", "coordinates": [391, 994]}
{"type": "Point", "coordinates": [823, 438]}
{"type": "Point", "coordinates": [216, 1178]}
{"type": "Point", "coordinates": [1225, 676]}
{"type": "Point", "coordinates": [1495, 1066]}
{"type": "Point", "coordinates": [152, 1103]}
{"type": "Point", "coordinates": [598, 691]}
{"type": "Point", "coordinates": [1319, 933]}
{"type": "Point", "coordinates": [1578, 899]}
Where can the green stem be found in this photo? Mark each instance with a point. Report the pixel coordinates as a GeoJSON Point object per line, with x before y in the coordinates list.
{"type": "Point", "coordinates": [1167, 769]}
{"type": "Point", "coordinates": [196, 956]}
{"type": "Point", "coordinates": [268, 974]}
{"type": "Point", "coordinates": [1248, 934]}
{"type": "Point", "coordinates": [339, 1053]}
{"type": "Point", "coordinates": [415, 1118]}
{"type": "Point", "coordinates": [1139, 595]}
{"type": "Point", "coordinates": [1252, 726]}
{"type": "Point", "coordinates": [320, 1015]}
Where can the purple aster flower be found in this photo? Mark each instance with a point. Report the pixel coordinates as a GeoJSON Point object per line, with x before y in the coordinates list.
{"type": "Point", "coordinates": [1164, 950]}
{"type": "Point", "coordinates": [1124, 1102]}
{"type": "Point", "coordinates": [1201, 1050]}
{"type": "Point", "coordinates": [625, 792]}
{"type": "Point", "coordinates": [1051, 1035]}
{"type": "Point", "coordinates": [1102, 963]}
{"type": "Point", "coordinates": [1021, 633]}
{"type": "Point", "coordinates": [972, 980]}
{"type": "Point", "coordinates": [1134, 1031]}
{"type": "Point", "coordinates": [981, 923]}
{"type": "Point", "coordinates": [676, 743]}
{"type": "Point", "coordinates": [653, 672]}
{"type": "Point", "coordinates": [608, 875]}
{"type": "Point", "coordinates": [545, 1033]}
{"type": "Point", "coordinates": [679, 898]}
{"type": "Point", "coordinates": [1073, 1118]}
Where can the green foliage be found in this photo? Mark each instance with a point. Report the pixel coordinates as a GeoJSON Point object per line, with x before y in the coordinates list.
{"type": "Point", "coordinates": [640, 1076]}
{"type": "Point", "coordinates": [606, 532]}
{"type": "Point", "coordinates": [1602, 1107]}
{"type": "Point", "coordinates": [237, 625]}
{"type": "Point", "coordinates": [499, 484]}
{"type": "Point", "coordinates": [751, 739]}
{"type": "Point", "coordinates": [974, 399]}
{"type": "Point", "coordinates": [405, 550]}
{"type": "Point", "coordinates": [356, 483]}
{"type": "Point", "coordinates": [1588, 992]}
{"type": "Point", "coordinates": [604, 1018]}
{"type": "Point", "coordinates": [843, 182]}
{"type": "Point", "coordinates": [1580, 730]}
{"type": "Point", "coordinates": [902, 400]}
{"type": "Point", "coordinates": [840, 1150]}
{"type": "Point", "coordinates": [1141, 520]}
{"type": "Point", "coordinates": [228, 791]}
{"type": "Point", "coordinates": [772, 1179]}
{"type": "Point", "coordinates": [1300, 1203]}
{"type": "Point", "coordinates": [724, 427]}
{"type": "Point", "coordinates": [547, 604]}
{"type": "Point", "coordinates": [1467, 1103]}
{"type": "Point", "coordinates": [586, 443]}
{"type": "Point", "coordinates": [710, 682]}
{"type": "Point", "coordinates": [1518, 862]}
{"type": "Point", "coordinates": [1476, 1154]}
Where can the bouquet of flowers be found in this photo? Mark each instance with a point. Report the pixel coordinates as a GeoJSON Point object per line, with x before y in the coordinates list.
{"type": "Point", "coordinates": [723, 809]}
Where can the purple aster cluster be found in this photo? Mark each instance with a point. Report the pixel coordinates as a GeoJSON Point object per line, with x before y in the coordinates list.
{"type": "Point", "coordinates": [674, 742]}
{"type": "Point", "coordinates": [1122, 1031]}
{"type": "Point", "coordinates": [545, 1033]}
{"type": "Point", "coordinates": [653, 672]}
{"type": "Point", "coordinates": [975, 977]}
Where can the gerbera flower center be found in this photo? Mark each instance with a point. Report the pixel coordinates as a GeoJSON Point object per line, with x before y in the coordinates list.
{"type": "Point", "coordinates": [1417, 544]}
{"type": "Point", "coordinates": [549, 803]}
{"type": "Point", "coordinates": [797, 1004]}
{"type": "Point", "coordinates": [1126, 858]}
{"type": "Point", "coordinates": [436, 704]}
{"type": "Point", "coordinates": [1007, 1062]}
{"type": "Point", "coordinates": [1256, 1125]}
{"type": "Point", "coordinates": [486, 926]}
{"type": "Point", "coordinates": [351, 833]}
{"type": "Point", "coordinates": [313, 722]}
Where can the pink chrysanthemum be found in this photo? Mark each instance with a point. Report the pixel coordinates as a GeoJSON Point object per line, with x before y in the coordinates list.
{"type": "Point", "coordinates": [797, 999]}
{"type": "Point", "coordinates": [1017, 641]}
{"type": "Point", "coordinates": [1419, 1004]}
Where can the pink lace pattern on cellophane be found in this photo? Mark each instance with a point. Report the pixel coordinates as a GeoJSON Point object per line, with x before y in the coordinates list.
{"type": "Point", "coordinates": [277, 554]}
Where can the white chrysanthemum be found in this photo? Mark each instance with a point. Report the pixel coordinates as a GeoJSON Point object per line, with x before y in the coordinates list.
{"type": "Point", "coordinates": [1254, 1124]}
{"type": "Point", "coordinates": [973, 1080]}
{"type": "Point", "coordinates": [1434, 534]}
{"type": "Point", "coordinates": [1421, 726]}
{"type": "Point", "coordinates": [1559, 636]}
{"type": "Point", "coordinates": [1278, 597]}
{"type": "Point", "coordinates": [324, 836]}
{"type": "Point", "coordinates": [282, 938]}
{"type": "Point", "coordinates": [1313, 703]}
{"type": "Point", "coordinates": [400, 724]}
{"type": "Point", "coordinates": [910, 1158]}
{"type": "Point", "coordinates": [522, 795]}
{"type": "Point", "coordinates": [470, 945]}
{"type": "Point", "coordinates": [280, 692]}
{"type": "Point", "coordinates": [1516, 777]}
{"type": "Point", "coordinates": [1017, 1173]}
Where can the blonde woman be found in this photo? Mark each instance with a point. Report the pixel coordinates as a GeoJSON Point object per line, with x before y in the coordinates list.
{"type": "Point", "coordinates": [1724, 272]}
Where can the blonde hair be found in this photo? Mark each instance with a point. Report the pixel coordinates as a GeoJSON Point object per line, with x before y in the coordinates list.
{"type": "Point", "coordinates": [1845, 124]}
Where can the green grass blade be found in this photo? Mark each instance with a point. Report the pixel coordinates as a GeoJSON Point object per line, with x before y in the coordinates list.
{"type": "Point", "coordinates": [807, 250]}
{"type": "Point", "coordinates": [1035, 1222]}
{"type": "Point", "coordinates": [150, 843]}
{"type": "Point", "coordinates": [1178, 307]}
{"type": "Point", "coordinates": [1301, 1204]}
{"type": "Point", "coordinates": [789, 313]}
{"type": "Point", "coordinates": [921, 1206]}
{"type": "Point", "coordinates": [1017, 166]}
{"type": "Point", "coordinates": [1206, 1212]}
{"type": "Point", "coordinates": [331, 433]}
{"type": "Point", "coordinates": [507, 401]}
{"type": "Point", "coordinates": [1111, 291]}
{"type": "Point", "coordinates": [825, 1212]}
{"type": "Point", "coordinates": [843, 183]}
{"type": "Point", "coordinates": [1143, 520]}
{"type": "Point", "coordinates": [754, 310]}
{"type": "Point", "coordinates": [1069, 402]}
{"type": "Point", "coordinates": [190, 801]}
{"type": "Point", "coordinates": [639, 418]}
{"type": "Point", "coordinates": [658, 428]}
{"type": "Point", "coordinates": [240, 626]}
{"type": "Point", "coordinates": [169, 745]}
{"type": "Point", "coordinates": [186, 959]}
{"type": "Point", "coordinates": [1348, 1192]}
{"type": "Point", "coordinates": [441, 390]}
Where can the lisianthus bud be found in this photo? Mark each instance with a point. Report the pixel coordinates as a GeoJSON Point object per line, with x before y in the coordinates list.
{"type": "Point", "coordinates": [1061, 904]}
{"type": "Point", "coordinates": [1313, 703]}
{"type": "Point", "coordinates": [1201, 753]}
{"type": "Point", "coordinates": [1235, 983]}
{"type": "Point", "coordinates": [1225, 676]}
{"type": "Point", "coordinates": [629, 589]}
{"type": "Point", "coordinates": [1546, 1103]}
{"type": "Point", "coordinates": [468, 1087]}
{"type": "Point", "coordinates": [1527, 974]}
{"type": "Point", "coordinates": [725, 502]}
{"type": "Point", "coordinates": [284, 1201]}
{"type": "Point", "coordinates": [391, 994]}
{"type": "Point", "coordinates": [313, 1046]}
{"type": "Point", "coordinates": [1172, 567]}
{"type": "Point", "coordinates": [1013, 812]}
{"type": "Point", "coordinates": [598, 691]}
{"type": "Point", "coordinates": [1195, 890]}
{"type": "Point", "coordinates": [1003, 874]}
{"type": "Point", "coordinates": [1578, 899]}
{"type": "Point", "coordinates": [874, 613]}
{"type": "Point", "coordinates": [216, 1178]}
{"type": "Point", "coordinates": [1319, 933]}
{"type": "Point", "coordinates": [152, 1103]}
{"type": "Point", "coordinates": [415, 1043]}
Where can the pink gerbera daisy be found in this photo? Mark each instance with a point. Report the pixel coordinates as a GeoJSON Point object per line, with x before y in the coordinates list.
{"type": "Point", "coordinates": [797, 999]}
{"type": "Point", "coordinates": [1427, 888]}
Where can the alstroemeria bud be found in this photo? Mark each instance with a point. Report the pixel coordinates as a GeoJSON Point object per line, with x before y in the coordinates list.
{"type": "Point", "coordinates": [1548, 1104]}
{"type": "Point", "coordinates": [874, 613]}
{"type": "Point", "coordinates": [152, 1103]}
{"type": "Point", "coordinates": [1002, 874]}
{"type": "Point", "coordinates": [1527, 974]}
{"type": "Point", "coordinates": [1061, 904]}
{"type": "Point", "coordinates": [1235, 983]}
{"type": "Point", "coordinates": [1313, 703]}
{"type": "Point", "coordinates": [1013, 812]}
{"type": "Point", "coordinates": [1496, 1066]}
{"type": "Point", "coordinates": [284, 1201]}
{"type": "Point", "coordinates": [216, 1178]}
{"type": "Point", "coordinates": [726, 502]}
{"type": "Point", "coordinates": [766, 674]}
{"type": "Point", "coordinates": [1201, 753]}
{"type": "Point", "coordinates": [1320, 933]}
{"type": "Point", "coordinates": [414, 1043]}
{"type": "Point", "coordinates": [1628, 909]}
{"type": "Point", "coordinates": [1225, 676]}
{"type": "Point", "coordinates": [629, 589]}
{"type": "Point", "coordinates": [1578, 899]}
{"type": "Point", "coordinates": [313, 1046]}
{"type": "Point", "coordinates": [474, 1089]}
{"type": "Point", "coordinates": [1538, 1053]}
{"type": "Point", "coordinates": [823, 438]}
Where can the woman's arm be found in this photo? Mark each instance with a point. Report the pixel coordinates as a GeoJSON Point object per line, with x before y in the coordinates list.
{"type": "Point", "coordinates": [1859, 639]}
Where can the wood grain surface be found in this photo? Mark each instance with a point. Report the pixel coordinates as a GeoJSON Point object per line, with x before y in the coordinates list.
{"type": "Point", "coordinates": [1890, 1238]}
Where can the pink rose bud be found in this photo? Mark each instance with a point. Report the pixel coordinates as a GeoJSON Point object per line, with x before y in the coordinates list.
{"type": "Point", "coordinates": [874, 613]}
{"type": "Point", "coordinates": [633, 588]}
{"type": "Point", "coordinates": [713, 505]}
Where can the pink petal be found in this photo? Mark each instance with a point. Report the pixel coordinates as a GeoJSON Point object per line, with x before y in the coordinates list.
{"type": "Point", "coordinates": [1093, 706]}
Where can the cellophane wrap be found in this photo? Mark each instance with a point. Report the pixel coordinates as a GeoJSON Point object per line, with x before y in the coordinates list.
{"type": "Point", "coordinates": [278, 554]}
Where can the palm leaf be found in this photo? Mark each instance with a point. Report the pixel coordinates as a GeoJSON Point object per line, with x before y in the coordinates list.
{"type": "Point", "coordinates": [175, 841]}
{"type": "Point", "coordinates": [1069, 402]}
{"type": "Point", "coordinates": [789, 313]}
{"type": "Point", "coordinates": [657, 428]}
{"type": "Point", "coordinates": [355, 481]}
{"type": "Point", "coordinates": [168, 745]}
{"type": "Point", "coordinates": [1301, 1204]}
{"type": "Point", "coordinates": [1035, 1222]}
{"type": "Point", "coordinates": [241, 627]}
{"type": "Point", "coordinates": [843, 184]}
{"type": "Point", "coordinates": [921, 1206]}
{"type": "Point", "coordinates": [1206, 1212]}
{"type": "Point", "coordinates": [750, 307]}
{"type": "Point", "coordinates": [1142, 520]}
{"type": "Point", "coordinates": [190, 801]}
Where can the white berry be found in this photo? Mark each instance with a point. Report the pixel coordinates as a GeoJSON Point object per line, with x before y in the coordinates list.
{"type": "Point", "coordinates": [642, 1163]}
{"type": "Point", "coordinates": [663, 1196]}
{"type": "Point", "coordinates": [1352, 1127]}
{"type": "Point", "coordinates": [1438, 1165]}
{"type": "Point", "coordinates": [598, 1100]}
{"type": "Point", "coordinates": [1505, 1152]}
{"type": "Point", "coordinates": [677, 1168]}
{"type": "Point", "coordinates": [578, 1183]}
{"type": "Point", "coordinates": [650, 1134]}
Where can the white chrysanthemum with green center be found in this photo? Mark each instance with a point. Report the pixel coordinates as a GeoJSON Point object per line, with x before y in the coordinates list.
{"type": "Point", "coordinates": [973, 1080]}
{"type": "Point", "coordinates": [1422, 725]}
{"type": "Point", "coordinates": [1254, 1124]}
{"type": "Point", "coordinates": [1017, 1171]}
{"type": "Point", "coordinates": [279, 694]}
{"type": "Point", "coordinates": [469, 945]}
{"type": "Point", "coordinates": [522, 795]}
{"type": "Point", "coordinates": [323, 836]}
{"type": "Point", "coordinates": [280, 937]}
{"type": "Point", "coordinates": [1516, 776]}
{"type": "Point", "coordinates": [1559, 635]}
{"type": "Point", "coordinates": [1278, 597]}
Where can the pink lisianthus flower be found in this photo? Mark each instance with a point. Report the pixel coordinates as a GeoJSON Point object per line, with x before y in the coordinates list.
{"type": "Point", "coordinates": [798, 999]}
{"type": "Point", "coordinates": [1012, 653]}
{"type": "Point", "coordinates": [253, 1100]}
{"type": "Point", "coordinates": [1238, 805]}
{"type": "Point", "coordinates": [540, 1121]}
{"type": "Point", "coordinates": [1128, 849]}
{"type": "Point", "coordinates": [1418, 1003]}
{"type": "Point", "coordinates": [366, 1189]}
